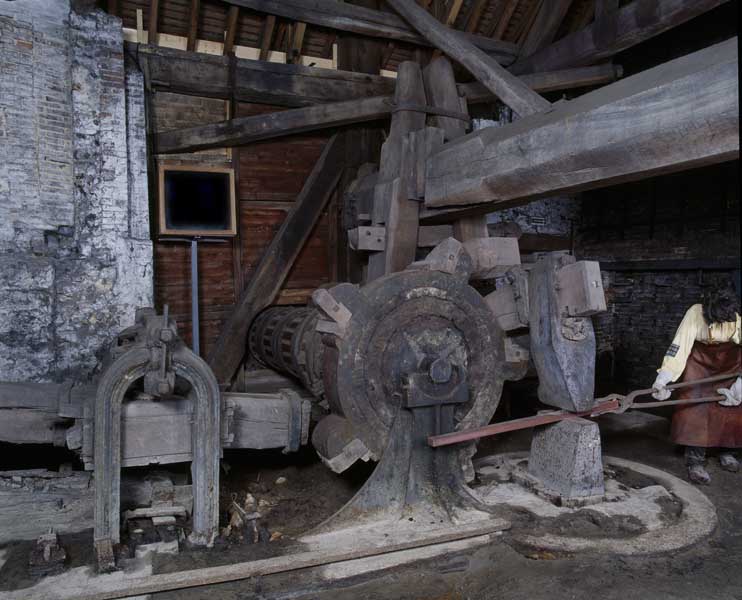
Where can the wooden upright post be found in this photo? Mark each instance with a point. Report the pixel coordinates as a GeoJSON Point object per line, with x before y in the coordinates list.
{"type": "Point", "coordinates": [389, 198]}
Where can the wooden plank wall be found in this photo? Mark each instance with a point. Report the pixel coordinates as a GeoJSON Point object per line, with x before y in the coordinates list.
{"type": "Point", "coordinates": [268, 177]}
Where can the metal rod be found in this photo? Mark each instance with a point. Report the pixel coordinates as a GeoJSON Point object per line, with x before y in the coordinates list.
{"type": "Point", "coordinates": [612, 403]}
{"type": "Point", "coordinates": [195, 345]}
{"type": "Point", "coordinates": [662, 403]}
{"type": "Point", "coordinates": [457, 437]}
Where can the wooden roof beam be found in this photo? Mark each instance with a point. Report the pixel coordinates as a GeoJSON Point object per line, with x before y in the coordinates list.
{"type": "Point", "coordinates": [679, 115]}
{"type": "Point", "coordinates": [246, 130]}
{"type": "Point", "coordinates": [504, 20]}
{"type": "Point", "coordinates": [152, 25]}
{"type": "Point", "coordinates": [350, 18]}
{"type": "Point", "coordinates": [475, 15]}
{"type": "Point", "coordinates": [296, 43]}
{"type": "Point", "coordinates": [266, 37]}
{"type": "Point", "coordinates": [193, 25]}
{"type": "Point", "coordinates": [485, 69]}
{"type": "Point", "coordinates": [230, 33]}
{"type": "Point", "coordinates": [636, 22]}
{"type": "Point", "coordinates": [542, 32]}
{"type": "Point", "coordinates": [605, 29]}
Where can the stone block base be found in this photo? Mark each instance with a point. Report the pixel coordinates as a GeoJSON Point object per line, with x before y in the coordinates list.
{"type": "Point", "coordinates": [566, 459]}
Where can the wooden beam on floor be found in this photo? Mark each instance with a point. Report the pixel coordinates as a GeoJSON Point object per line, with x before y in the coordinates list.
{"type": "Point", "coordinates": [246, 130]}
{"type": "Point", "coordinates": [232, 18]}
{"type": "Point", "coordinates": [208, 75]}
{"type": "Point", "coordinates": [124, 587]}
{"type": "Point", "coordinates": [350, 18]}
{"type": "Point", "coordinates": [542, 32]}
{"type": "Point", "coordinates": [278, 259]}
{"type": "Point", "coordinates": [193, 25]}
{"type": "Point", "coordinates": [485, 69]}
{"type": "Point", "coordinates": [679, 115]}
{"type": "Point", "coordinates": [637, 21]}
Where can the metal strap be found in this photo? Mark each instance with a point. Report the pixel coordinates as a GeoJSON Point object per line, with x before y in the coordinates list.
{"type": "Point", "coordinates": [431, 110]}
{"type": "Point", "coordinates": [293, 437]}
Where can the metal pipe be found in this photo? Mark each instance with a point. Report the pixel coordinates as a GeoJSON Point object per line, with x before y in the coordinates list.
{"type": "Point", "coordinates": [195, 345]}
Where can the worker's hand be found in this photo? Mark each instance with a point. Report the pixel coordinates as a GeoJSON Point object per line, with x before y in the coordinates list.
{"type": "Point", "coordinates": [659, 387]}
{"type": "Point", "coordinates": [732, 395]}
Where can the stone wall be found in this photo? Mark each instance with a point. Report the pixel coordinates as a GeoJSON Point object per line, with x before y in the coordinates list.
{"type": "Point", "coordinates": [75, 252]}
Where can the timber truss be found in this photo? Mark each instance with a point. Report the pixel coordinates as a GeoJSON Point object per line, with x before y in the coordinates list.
{"type": "Point", "coordinates": [433, 179]}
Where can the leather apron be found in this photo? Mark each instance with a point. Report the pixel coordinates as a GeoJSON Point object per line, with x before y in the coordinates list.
{"type": "Point", "coordinates": [709, 425]}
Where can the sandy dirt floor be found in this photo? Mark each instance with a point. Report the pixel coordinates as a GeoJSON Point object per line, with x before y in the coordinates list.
{"type": "Point", "coordinates": [711, 569]}
{"type": "Point", "coordinates": [308, 493]}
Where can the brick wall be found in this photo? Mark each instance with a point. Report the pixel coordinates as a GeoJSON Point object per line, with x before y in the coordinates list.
{"type": "Point", "coordinates": [685, 230]}
{"type": "Point", "coordinates": [75, 254]}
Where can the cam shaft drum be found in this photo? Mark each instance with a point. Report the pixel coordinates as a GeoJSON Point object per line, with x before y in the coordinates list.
{"type": "Point", "coordinates": [397, 326]}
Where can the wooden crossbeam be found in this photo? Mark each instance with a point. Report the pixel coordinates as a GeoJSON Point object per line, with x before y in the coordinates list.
{"type": "Point", "coordinates": [676, 116]}
{"type": "Point", "coordinates": [278, 259]}
{"type": "Point", "coordinates": [636, 22]}
{"type": "Point", "coordinates": [486, 69]}
{"type": "Point", "coordinates": [207, 75]}
{"type": "Point", "coordinates": [349, 18]}
{"type": "Point", "coordinates": [246, 130]}
{"type": "Point", "coordinates": [594, 75]}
